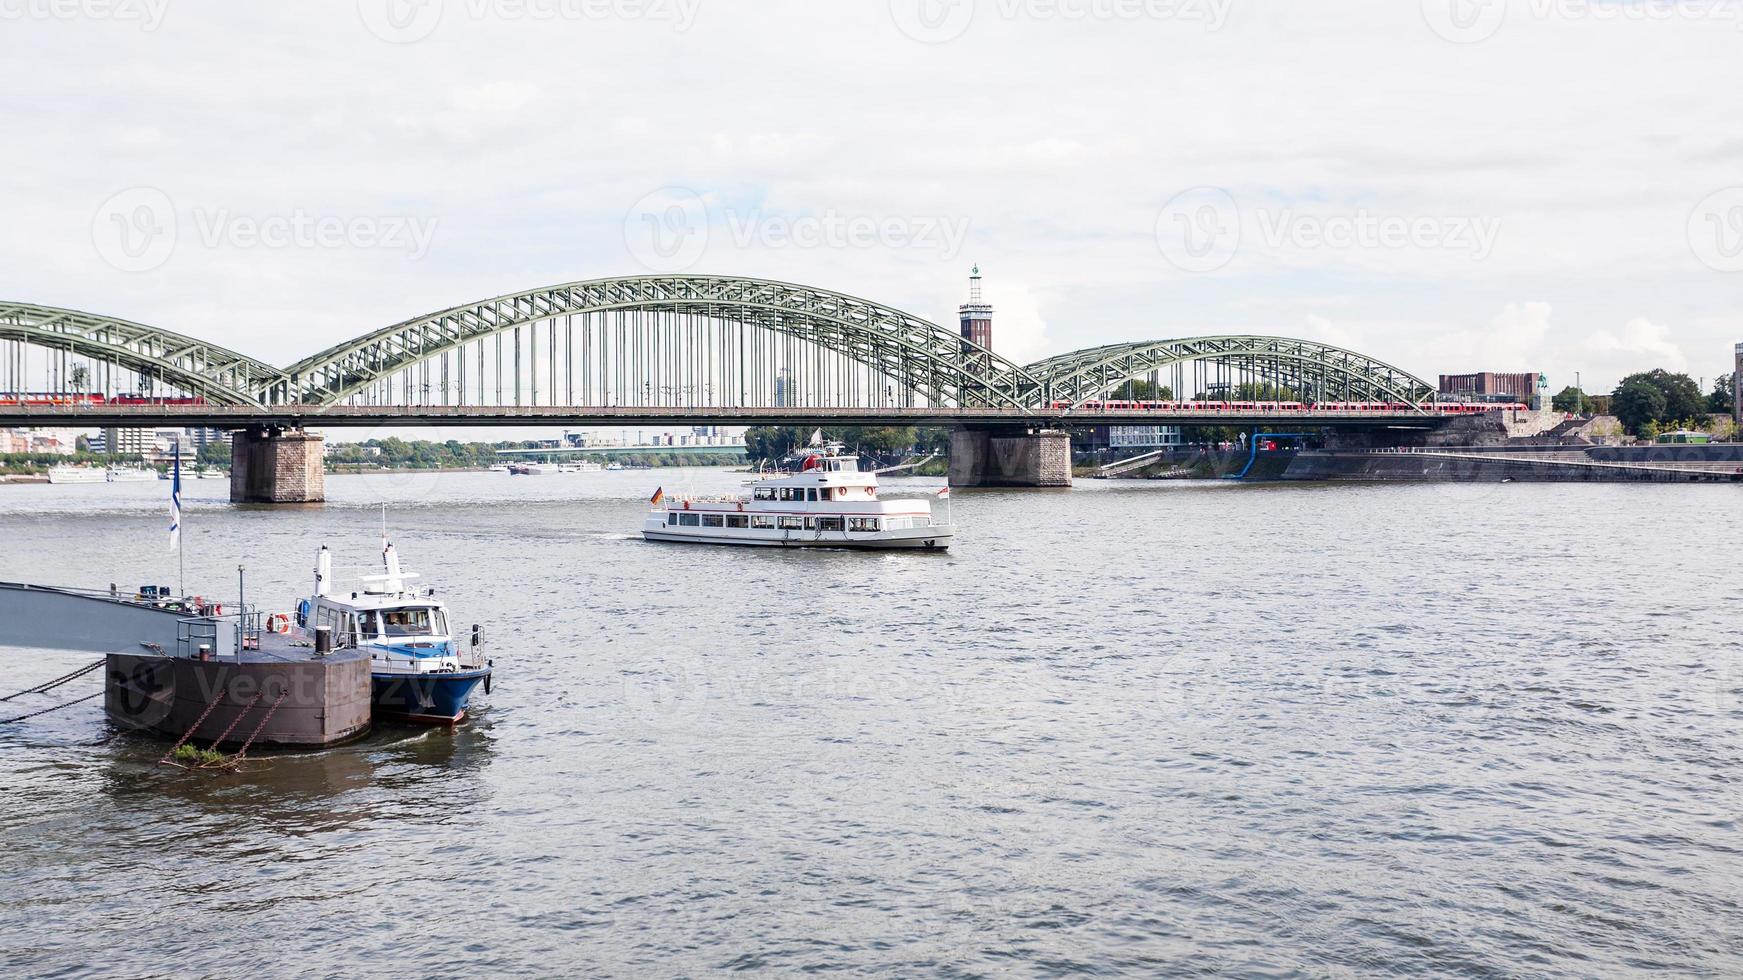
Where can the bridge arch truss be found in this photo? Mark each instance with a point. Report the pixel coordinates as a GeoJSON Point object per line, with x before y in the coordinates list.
{"type": "Point", "coordinates": [61, 351]}
{"type": "Point", "coordinates": [662, 341]}
{"type": "Point", "coordinates": [1247, 368]}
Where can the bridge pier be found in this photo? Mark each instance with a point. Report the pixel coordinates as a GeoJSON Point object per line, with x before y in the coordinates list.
{"type": "Point", "coordinates": [1009, 458]}
{"type": "Point", "coordinates": [277, 466]}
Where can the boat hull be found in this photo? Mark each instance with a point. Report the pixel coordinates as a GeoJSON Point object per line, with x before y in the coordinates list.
{"type": "Point", "coordinates": [425, 699]}
{"type": "Point", "coordinates": [907, 539]}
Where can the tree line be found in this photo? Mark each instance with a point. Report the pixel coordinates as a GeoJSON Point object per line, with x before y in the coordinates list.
{"type": "Point", "coordinates": [1651, 402]}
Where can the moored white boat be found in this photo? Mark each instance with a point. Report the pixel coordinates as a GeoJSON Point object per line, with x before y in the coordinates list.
{"type": "Point", "coordinates": [131, 474]}
{"type": "Point", "coordinates": [418, 672]}
{"type": "Point", "coordinates": [829, 503]}
{"type": "Point", "coordinates": [77, 474]}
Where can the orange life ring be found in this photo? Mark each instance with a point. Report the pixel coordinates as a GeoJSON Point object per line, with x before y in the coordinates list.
{"type": "Point", "coordinates": [278, 623]}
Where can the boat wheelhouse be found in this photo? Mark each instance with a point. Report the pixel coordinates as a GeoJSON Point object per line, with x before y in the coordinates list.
{"type": "Point", "coordinates": [829, 503]}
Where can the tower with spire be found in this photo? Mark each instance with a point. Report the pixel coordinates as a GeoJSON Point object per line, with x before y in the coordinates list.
{"type": "Point", "coordinates": [977, 314]}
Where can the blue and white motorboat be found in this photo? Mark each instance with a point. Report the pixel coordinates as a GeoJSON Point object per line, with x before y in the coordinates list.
{"type": "Point", "coordinates": [418, 672]}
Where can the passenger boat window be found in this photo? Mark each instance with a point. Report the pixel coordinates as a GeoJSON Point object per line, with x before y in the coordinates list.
{"type": "Point", "coordinates": [829, 523]}
{"type": "Point", "coordinates": [810, 523]}
{"type": "Point", "coordinates": [765, 493]}
{"type": "Point", "coordinates": [672, 520]}
{"type": "Point", "coordinates": [862, 524]}
{"type": "Point", "coordinates": [713, 520]}
{"type": "Point", "coordinates": [811, 494]}
{"type": "Point", "coordinates": [737, 520]}
{"type": "Point", "coordinates": [405, 622]}
{"type": "Point", "coordinates": [762, 522]}
{"type": "Point", "coordinates": [793, 523]}
{"type": "Point", "coordinates": [786, 493]}
{"type": "Point", "coordinates": [371, 626]}
{"type": "Point", "coordinates": [689, 520]}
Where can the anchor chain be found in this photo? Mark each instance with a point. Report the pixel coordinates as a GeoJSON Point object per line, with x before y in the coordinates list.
{"type": "Point", "coordinates": [192, 729]}
{"type": "Point", "coordinates": [57, 682]}
{"type": "Point", "coordinates": [260, 727]}
{"type": "Point", "coordinates": [45, 711]}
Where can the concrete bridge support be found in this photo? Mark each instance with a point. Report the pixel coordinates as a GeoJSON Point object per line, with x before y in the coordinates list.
{"type": "Point", "coordinates": [1010, 458]}
{"type": "Point", "coordinates": [277, 466]}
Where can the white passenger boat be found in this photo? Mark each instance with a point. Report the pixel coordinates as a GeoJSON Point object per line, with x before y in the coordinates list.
{"type": "Point", "coordinates": [829, 503]}
{"type": "Point", "coordinates": [131, 474]}
{"type": "Point", "coordinates": [584, 466]}
{"type": "Point", "coordinates": [77, 474]}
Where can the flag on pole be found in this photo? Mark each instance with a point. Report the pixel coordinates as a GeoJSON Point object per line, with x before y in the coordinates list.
{"type": "Point", "coordinates": [175, 502]}
{"type": "Point", "coordinates": [658, 496]}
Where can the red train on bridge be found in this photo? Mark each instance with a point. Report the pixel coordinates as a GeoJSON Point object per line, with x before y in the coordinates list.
{"type": "Point", "coordinates": [47, 399]}
{"type": "Point", "coordinates": [1250, 407]}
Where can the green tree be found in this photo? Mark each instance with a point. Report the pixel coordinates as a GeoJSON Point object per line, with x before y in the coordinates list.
{"type": "Point", "coordinates": [1720, 402]}
{"type": "Point", "coordinates": [1637, 403]}
{"type": "Point", "coordinates": [1572, 399]}
{"type": "Point", "coordinates": [1142, 391]}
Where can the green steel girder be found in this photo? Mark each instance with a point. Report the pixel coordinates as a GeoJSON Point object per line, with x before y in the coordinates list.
{"type": "Point", "coordinates": [892, 342]}
{"type": "Point", "coordinates": [1087, 375]}
{"type": "Point", "coordinates": [215, 373]}
{"type": "Point", "coordinates": [926, 358]}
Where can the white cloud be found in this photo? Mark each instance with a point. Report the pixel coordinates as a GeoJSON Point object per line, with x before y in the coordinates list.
{"type": "Point", "coordinates": [1639, 346]}
{"type": "Point", "coordinates": [1019, 329]}
{"type": "Point", "coordinates": [496, 97]}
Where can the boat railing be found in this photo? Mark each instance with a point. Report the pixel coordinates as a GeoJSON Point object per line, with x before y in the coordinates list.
{"type": "Point", "coordinates": [680, 501]}
{"type": "Point", "coordinates": [197, 634]}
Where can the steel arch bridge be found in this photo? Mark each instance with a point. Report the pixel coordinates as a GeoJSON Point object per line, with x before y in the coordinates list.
{"type": "Point", "coordinates": [692, 345]}
{"type": "Point", "coordinates": [1241, 367]}
{"type": "Point", "coordinates": [151, 356]}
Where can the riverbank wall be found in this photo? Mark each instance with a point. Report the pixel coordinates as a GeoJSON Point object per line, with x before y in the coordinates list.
{"type": "Point", "coordinates": [1480, 466]}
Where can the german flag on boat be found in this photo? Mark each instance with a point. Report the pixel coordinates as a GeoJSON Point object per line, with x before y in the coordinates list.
{"type": "Point", "coordinates": [659, 495]}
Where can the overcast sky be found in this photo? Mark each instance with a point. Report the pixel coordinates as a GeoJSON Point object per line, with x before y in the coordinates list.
{"type": "Point", "coordinates": [1450, 186]}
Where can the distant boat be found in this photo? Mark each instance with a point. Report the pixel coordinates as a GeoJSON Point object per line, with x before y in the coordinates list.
{"type": "Point", "coordinates": [130, 474]}
{"type": "Point", "coordinates": [77, 474]}
{"type": "Point", "coordinates": [502, 468]}
{"type": "Point", "coordinates": [829, 503]}
{"type": "Point", "coordinates": [585, 466]}
{"type": "Point", "coordinates": [615, 468]}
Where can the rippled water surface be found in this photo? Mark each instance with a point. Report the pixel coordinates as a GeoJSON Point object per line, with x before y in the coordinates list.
{"type": "Point", "coordinates": [1125, 729]}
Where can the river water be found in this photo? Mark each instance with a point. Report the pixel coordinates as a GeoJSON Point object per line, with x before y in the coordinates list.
{"type": "Point", "coordinates": [1131, 728]}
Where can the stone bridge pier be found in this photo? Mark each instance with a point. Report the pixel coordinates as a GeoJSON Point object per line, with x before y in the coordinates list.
{"type": "Point", "coordinates": [277, 466]}
{"type": "Point", "coordinates": [1010, 457]}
